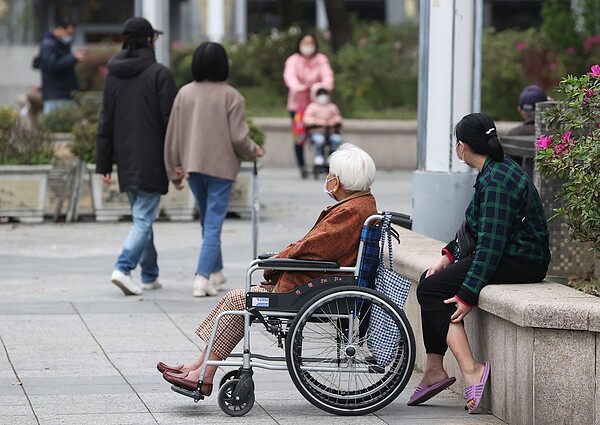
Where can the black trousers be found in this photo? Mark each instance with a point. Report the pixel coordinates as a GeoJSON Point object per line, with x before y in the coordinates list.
{"type": "Point", "coordinates": [433, 290]}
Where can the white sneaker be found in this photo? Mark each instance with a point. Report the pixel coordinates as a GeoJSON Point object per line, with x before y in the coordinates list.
{"type": "Point", "coordinates": [149, 286]}
{"type": "Point", "coordinates": [125, 283]}
{"type": "Point", "coordinates": [218, 279]}
{"type": "Point", "coordinates": [319, 160]}
{"type": "Point", "coordinates": [203, 287]}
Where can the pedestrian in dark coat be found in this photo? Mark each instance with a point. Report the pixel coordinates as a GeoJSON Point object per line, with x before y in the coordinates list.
{"type": "Point", "coordinates": [57, 63]}
{"type": "Point", "coordinates": [138, 96]}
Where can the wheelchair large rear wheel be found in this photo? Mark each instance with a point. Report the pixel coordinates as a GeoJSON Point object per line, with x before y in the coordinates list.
{"type": "Point", "coordinates": [328, 354]}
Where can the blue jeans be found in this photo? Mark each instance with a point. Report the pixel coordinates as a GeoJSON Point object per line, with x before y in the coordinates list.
{"type": "Point", "coordinates": [56, 104]}
{"type": "Point", "coordinates": [138, 247]}
{"type": "Point", "coordinates": [319, 140]}
{"type": "Point", "coordinates": [212, 196]}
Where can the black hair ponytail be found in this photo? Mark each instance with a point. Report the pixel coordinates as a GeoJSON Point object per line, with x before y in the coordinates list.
{"type": "Point", "coordinates": [134, 42]}
{"type": "Point", "coordinates": [479, 132]}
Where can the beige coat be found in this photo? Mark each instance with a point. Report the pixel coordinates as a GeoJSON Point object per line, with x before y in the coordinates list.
{"type": "Point", "coordinates": [207, 131]}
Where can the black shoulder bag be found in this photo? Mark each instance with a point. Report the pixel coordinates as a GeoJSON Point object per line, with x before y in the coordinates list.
{"type": "Point", "coordinates": [466, 241]}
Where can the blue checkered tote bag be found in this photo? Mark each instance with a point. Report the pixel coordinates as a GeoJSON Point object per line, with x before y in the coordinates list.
{"type": "Point", "coordinates": [384, 335]}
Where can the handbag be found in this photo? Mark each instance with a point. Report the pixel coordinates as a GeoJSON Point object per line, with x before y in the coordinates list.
{"type": "Point", "coordinates": [298, 128]}
{"type": "Point", "coordinates": [384, 335]}
{"type": "Point", "coordinates": [466, 242]}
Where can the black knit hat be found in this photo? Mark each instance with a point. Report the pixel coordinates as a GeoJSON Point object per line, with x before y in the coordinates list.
{"type": "Point", "coordinates": [139, 27]}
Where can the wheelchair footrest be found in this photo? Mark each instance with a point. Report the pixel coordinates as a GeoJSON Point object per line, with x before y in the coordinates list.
{"type": "Point", "coordinates": [196, 395]}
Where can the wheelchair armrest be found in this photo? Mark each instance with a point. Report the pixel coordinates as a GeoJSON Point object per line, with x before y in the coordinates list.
{"type": "Point", "coordinates": [292, 263]}
{"type": "Point", "coordinates": [265, 255]}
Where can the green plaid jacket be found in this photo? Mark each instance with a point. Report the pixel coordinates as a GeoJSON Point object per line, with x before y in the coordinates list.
{"type": "Point", "coordinates": [498, 204]}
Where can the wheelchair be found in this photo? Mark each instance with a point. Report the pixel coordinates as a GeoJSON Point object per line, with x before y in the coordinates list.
{"type": "Point", "coordinates": [323, 329]}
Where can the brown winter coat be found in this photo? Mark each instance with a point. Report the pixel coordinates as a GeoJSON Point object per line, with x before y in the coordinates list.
{"type": "Point", "coordinates": [334, 237]}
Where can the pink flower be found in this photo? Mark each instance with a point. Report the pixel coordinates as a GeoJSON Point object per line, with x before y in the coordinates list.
{"type": "Point", "coordinates": [595, 71]}
{"type": "Point", "coordinates": [567, 137]}
{"type": "Point", "coordinates": [561, 149]}
{"type": "Point", "coordinates": [362, 42]}
{"type": "Point", "coordinates": [544, 142]}
{"type": "Point", "coordinates": [552, 66]}
{"type": "Point", "coordinates": [521, 46]}
{"type": "Point", "coordinates": [397, 45]}
{"type": "Point", "coordinates": [571, 51]}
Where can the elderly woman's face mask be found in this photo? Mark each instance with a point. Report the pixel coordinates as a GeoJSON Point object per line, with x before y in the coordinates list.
{"type": "Point", "coordinates": [329, 192]}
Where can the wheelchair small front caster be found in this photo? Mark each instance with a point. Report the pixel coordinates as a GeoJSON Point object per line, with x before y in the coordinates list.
{"type": "Point", "coordinates": [235, 401]}
{"type": "Point", "coordinates": [232, 374]}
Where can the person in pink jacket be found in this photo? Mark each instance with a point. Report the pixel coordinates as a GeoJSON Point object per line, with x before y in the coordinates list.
{"type": "Point", "coordinates": [302, 70]}
{"type": "Point", "coordinates": [323, 120]}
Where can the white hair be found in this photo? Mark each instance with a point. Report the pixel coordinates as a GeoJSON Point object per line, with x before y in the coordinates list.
{"type": "Point", "coordinates": [353, 166]}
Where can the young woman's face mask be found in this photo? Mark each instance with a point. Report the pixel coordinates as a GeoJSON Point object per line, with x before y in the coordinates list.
{"type": "Point", "coordinates": [458, 145]}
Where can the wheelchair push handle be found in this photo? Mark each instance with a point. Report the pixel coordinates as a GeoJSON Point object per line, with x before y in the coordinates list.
{"type": "Point", "coordinates": [401, 219]}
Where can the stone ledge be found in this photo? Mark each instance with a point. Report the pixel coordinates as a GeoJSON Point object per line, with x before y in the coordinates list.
{"type": "Point", "coordinates": [546, 304]}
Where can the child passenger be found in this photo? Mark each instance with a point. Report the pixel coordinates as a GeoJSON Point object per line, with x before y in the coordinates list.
{"type": "Point", "coordinates": [323, 120]}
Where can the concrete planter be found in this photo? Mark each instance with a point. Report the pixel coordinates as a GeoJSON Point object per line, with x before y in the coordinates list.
{"type": "Point", "coordinates": [241, 192]}
{"type": "Point", "coordinates": [112, 205]}
{"type": "Point", "coordinates": [23, 191]}
{"type": "Point", "coordinates": [177, 205]}
{"type": "Point", "coordinates": [108, 202]}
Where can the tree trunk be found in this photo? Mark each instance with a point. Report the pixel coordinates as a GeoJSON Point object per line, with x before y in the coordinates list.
{"type": "Point", "coordinates": [290, 12]}
{"type": "Point", "coordinates": [339, 23]}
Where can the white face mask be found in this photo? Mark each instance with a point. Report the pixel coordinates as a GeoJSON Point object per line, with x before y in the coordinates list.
{"type": "Point", "coordinates": [307, 50]}
{"type": "Point", "coordinates": [330, 193]}
{"type": "Point", "coordinates": [458, 156]}
{"type": "Point", "coordinates": [66, 39]}
{"type": "Point", "coordinates": [322, 99]}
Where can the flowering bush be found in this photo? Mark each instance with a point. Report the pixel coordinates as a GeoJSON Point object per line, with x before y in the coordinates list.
{"type": "Point", "coordinates": [572, 152]}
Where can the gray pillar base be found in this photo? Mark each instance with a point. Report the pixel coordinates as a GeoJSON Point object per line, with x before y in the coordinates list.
{"type": "Point", "coordinates": [439, 202]}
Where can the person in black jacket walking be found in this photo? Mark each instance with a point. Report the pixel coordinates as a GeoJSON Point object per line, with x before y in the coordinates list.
{"type": "Point", "coordinates": [138, 96]}
{"type": "Point", "coordinates": [57, 63]}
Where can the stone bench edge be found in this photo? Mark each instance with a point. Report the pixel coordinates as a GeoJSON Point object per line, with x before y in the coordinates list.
{"type": "Point", "coordinates": [536, 305]}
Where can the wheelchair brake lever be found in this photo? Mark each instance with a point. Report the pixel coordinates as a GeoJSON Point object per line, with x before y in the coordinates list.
{"type": "Point", "coordinates": [394, 233]}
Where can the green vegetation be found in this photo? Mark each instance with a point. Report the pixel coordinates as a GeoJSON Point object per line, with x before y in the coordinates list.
{"type": "Point", "coordinates": [21, 143]}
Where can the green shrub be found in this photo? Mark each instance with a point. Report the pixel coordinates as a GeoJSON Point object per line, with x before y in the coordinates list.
{"type": "Point", "coordinates": [256, 133]}
{"type": "Point", "coordinates": [85, 128]}
{"type": "Point", "coordinates": [23, 144]}
{"type": "Point", "coordinates": [60, 120]}
{"type": "Point", "coordinates": [572, 153]}
{"type": "Point", "coordinates": [377, 70]}
{"type": "Point", "coordinates": [93, 69]}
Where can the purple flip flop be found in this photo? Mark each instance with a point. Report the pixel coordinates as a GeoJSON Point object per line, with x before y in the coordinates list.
{"type": "Point", "coordinates": [423, 393]}
{"type": "Point", "coordinates": [475, 392]}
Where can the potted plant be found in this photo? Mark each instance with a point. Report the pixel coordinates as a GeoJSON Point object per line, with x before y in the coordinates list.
{"type": "Point", "coordinates": [26, 154]}
{"type": "Point", "coordinates": [571, 153]}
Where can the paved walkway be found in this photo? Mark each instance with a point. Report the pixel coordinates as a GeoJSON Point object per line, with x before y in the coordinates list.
{"type": "Point", "coordinates": [74, 350]}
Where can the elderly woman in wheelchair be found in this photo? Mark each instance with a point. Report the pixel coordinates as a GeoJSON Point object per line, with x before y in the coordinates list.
{"type": "Point", "coordinates": [332, 248]}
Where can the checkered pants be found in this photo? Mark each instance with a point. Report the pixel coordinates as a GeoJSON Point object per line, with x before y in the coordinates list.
{"type": "Point", "coordinates": [231, 328]}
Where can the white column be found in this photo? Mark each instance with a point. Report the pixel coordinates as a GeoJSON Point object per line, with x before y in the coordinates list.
{"type": "Point", "coordinates": [321, 16]}
{"type": "Point", "coordinates": [216, 20]}
{"type": "Point", "coordinates": [241, 27]}
{"type": "Point", "coordinates": [157, 13]}
{"type": "Point", "coordinates": [442, 186]}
